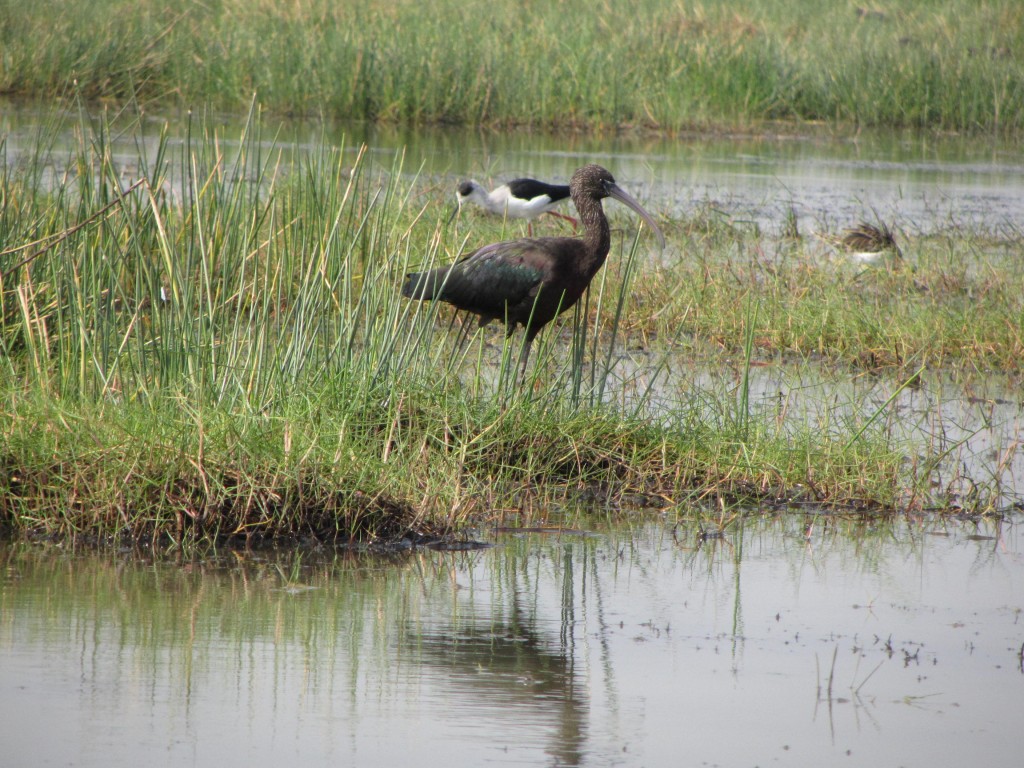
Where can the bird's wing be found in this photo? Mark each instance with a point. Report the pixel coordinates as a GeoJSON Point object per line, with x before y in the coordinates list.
{"type": "Point", "coordinates": [495, 278]}
{"type": "Point", "coordinates": [529, 189]}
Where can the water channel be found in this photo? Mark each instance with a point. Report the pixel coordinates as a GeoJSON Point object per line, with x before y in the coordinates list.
{"type": "Point", "coordinates": [793, 641]}
{"type": "Point", "coordinates": [788, 641]}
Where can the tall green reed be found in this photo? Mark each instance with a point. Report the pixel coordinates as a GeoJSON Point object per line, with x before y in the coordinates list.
{"type": "Point", "coordinates": [225, 271]}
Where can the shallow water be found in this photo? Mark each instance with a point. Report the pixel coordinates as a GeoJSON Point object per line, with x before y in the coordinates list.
{"type": "Point", "coordinates": [975, 424]}
{"type": "Point", "coordinates": [801, 641]}
{"type": "Point", "coordinates": [916, 183]}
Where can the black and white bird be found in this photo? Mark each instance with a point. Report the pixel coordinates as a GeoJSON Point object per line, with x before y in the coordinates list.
{"type": "Point", "coordinates": [518, 199]}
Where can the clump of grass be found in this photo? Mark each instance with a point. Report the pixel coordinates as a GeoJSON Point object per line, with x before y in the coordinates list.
{"type": "Point", "coordinates": [217, 347]}
{"type": "Point", "coordinates": [955, 300]}
{"type": "Point", "coordinates": [653, 64]}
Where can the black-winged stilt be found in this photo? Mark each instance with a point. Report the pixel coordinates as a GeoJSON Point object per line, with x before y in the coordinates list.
{"type": "Point", "coordinates": [518, 199]}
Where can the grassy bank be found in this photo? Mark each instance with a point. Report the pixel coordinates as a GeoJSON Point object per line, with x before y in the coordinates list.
{"type": "Point", "coordinates": [216, 346]}
{"type": "Point", "coordinates": [952, 65]}
{"type": "Point", "coordinates": [954, 300]}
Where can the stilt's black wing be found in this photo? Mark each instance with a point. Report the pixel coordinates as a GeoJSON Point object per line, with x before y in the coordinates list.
{"type": "Point", "coordinates": [528, 189]}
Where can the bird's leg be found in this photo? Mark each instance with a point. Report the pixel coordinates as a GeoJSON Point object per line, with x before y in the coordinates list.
{"type": "Point", "coordinates": [570, 219]}
{"type": "Point", "coordinates": [524, 358]}
{"type": "Point", "coordinates": [463, 336]}
{"type": "Point", "coordinates": [452, 322]}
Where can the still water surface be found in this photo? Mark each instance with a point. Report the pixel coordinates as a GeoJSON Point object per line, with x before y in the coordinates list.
{"type": "Point", "coordinates": [634, 647]}
{"type": "Point", "coordinates": [914, 182]}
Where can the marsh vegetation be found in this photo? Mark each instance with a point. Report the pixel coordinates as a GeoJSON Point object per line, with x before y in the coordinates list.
{"type": "Point", "coordinates": [206, 339]}
{"type": "Point", "coordinates": [652, 64]}
{"type": "Point", "coordinates": [215, 346]}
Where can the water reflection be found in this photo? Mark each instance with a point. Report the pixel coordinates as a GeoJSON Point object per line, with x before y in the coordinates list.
{"type": "Point", "coordinates": [504, 664]}
{"type": "Point", "coordinates": [497, 672]}
{"type": "Point", "coordinates": [819, 640]}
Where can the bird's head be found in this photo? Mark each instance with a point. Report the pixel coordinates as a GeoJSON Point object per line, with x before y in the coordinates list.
{"type": "Point", "coordinates": [596, 183]}
{"type": "Point", "coordinates": [468, 189]}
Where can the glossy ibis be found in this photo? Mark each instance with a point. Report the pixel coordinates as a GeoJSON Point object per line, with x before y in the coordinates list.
{"type": "Point", "coordinates": [530, 281]}
{"type": "Point", "coordinates": [519, 199]}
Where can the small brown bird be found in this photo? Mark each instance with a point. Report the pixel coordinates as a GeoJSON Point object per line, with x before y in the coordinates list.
{"type": "Point", "coordinates": [868, 244]}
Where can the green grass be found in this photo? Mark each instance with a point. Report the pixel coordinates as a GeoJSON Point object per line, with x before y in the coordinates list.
{"type": "Point", "coordinates": [955, 301]}
{"type": "Point", "coordinates": [222, 351]}
{"type": "Point", "coordinates": [952, 65]}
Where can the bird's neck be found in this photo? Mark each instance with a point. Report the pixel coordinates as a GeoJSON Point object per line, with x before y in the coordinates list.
{"type": "Point", "coordinates": [596, 236]}
{"type": "Point", "coordinates": [496, 200]}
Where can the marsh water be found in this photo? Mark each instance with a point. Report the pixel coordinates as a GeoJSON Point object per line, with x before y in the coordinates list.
{"type": "Point", "coordinates": [918, 183]}
{"type": "Point", "coordinates": [801, 640]}
{"type": "Point", "coordinates": [786, 641]}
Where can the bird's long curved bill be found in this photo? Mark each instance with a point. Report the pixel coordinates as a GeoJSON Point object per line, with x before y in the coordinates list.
{"type": "Point", "coordinates": [454, 213]}
{"type": "Point", "coordinates": [614, 190]}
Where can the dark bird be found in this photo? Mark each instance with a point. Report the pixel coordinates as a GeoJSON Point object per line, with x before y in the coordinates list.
{"type": "Point", "coordinates": [519, 199]}
{"type": "Point", "coordinates": [530, 281]}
